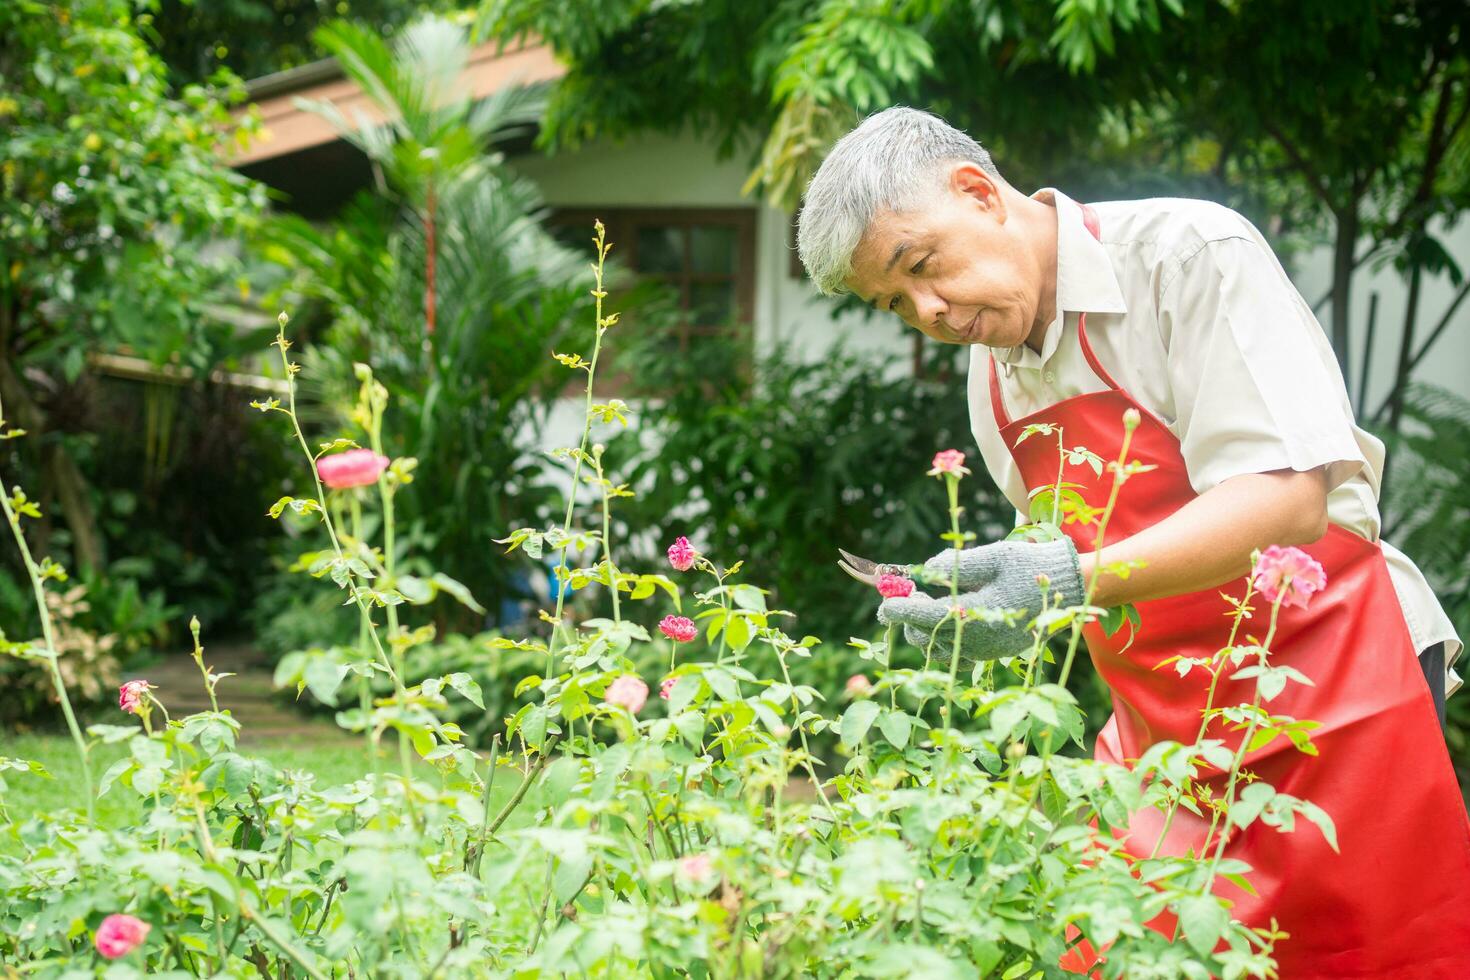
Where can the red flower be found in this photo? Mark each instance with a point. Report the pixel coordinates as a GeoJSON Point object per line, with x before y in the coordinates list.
{"type": "Point", "coordinates": [1289, 574]}
{"type": "Point", "coordinates": [119, 935]}
{"type": "Point", "coordinates": [949, 461]}
{"type": "Point", "coordinates": [681, 555]}
{"type": "Point", "coordinates": [130, 695]}
{"type": "Point", "coordinates": [627, 691]}
{"type": "Point", "coordinates": [354, 468]}
{"type": "Point", "coordinates": [680, 629]}
{"type": "Point", "coordinates": [894, 586]}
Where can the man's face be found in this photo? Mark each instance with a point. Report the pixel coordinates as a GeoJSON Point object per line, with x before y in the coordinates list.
{"type": "Point", "coordinates": [954, 269]}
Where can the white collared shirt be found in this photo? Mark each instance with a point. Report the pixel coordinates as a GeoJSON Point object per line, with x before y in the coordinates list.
{"type": "Point", "coordinates": [1189, 310]}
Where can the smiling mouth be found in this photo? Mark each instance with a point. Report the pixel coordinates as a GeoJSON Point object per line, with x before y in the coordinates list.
{"type": "Point", "coordinates": [968, 335]}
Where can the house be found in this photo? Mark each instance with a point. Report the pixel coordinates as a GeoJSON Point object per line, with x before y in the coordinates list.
{"type": "Point", "coordinates": [676, 211]}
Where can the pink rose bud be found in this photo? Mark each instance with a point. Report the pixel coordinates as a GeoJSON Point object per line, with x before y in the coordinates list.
{"type": "Point", "coordinates": [1131, 418]}
{"type": "Point", "coordinates": [695, 867]}
{"type": "Point", "coordinates": [354, 468]}
{"type": "Point", "coordinates": [894, 586]}
{"type": "Point", "coordinates": [680, 629]}
{"type": "Point", "coordinates": [681, 555]}
{"type": "Point", "coordinates": [958, 611]}
{"type": "Point", "coordinates": [628, 691]}
{"type": "Point", "coordinates": [130, 695]}
{"type": "Point", "coordinates": [1288, 574]}
{"type": "Point", "coordinates": [1043, 580]}
{"type": "Point", "coordinates": [666, 688]}
{"type": "Point", "coordinates": [858, 686]}
{"type": "Point", "coordinates": [119, 935]}
{"type": "Point", "coordinates": [949, 461]}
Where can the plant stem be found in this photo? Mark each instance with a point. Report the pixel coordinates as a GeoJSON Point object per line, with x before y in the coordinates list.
{"type": "Point", "coordinates": [1244, 748]}
{"type": "Point", "coordinates": [598, 294]}
{"type": "Point", "coordinates": [48, 634]}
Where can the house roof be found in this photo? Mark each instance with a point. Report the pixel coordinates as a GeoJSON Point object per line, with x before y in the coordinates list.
{"type": "Point", "coordinates": [289, 129]}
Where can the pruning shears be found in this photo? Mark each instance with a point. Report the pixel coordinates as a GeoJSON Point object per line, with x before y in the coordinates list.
{"type": "Point", "coordinates": [867, 571]}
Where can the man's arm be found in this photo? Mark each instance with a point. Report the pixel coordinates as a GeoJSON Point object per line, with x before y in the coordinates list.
{"type": "Point", "coordinates": [1208, 542]}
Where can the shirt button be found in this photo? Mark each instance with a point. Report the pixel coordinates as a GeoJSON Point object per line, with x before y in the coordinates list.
{"type": "Point", "coordinates": [1048, 377]}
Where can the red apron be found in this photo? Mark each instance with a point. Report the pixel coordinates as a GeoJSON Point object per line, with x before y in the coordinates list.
{"type": "Point", "coordinates": [1395, 902]}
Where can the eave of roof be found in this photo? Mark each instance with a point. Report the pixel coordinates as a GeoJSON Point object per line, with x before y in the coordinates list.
{"type": "Point", "coordinates": [287, 128]}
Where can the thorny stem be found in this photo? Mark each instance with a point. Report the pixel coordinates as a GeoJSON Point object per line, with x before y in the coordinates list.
{"type": "Point", "coordinates": [321, 495]}
{"type": "Point", "coordinates": [520, 792]}
{"type": "Point", "coordinates": [612, 569]}
{"type": "Point", "coordinates": [1240, 754]}
{"type": "Point", "coordinates": [801, 733]}
{"type": "Point", "coordinates": [1218, 667]}
{"type": "Point", "coordinates": [199, 659]}
{"type": "Point", "coordinates": [47, 633]}
{"type": "Point", "coordinates": [598, 294]}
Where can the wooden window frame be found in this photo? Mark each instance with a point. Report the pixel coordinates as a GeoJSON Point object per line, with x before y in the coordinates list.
{"type": "Point", "coordinates": [623, 223]}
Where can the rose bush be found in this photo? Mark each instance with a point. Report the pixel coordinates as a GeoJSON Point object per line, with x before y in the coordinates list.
{"type": "Point", "coordinates": [606, 833]}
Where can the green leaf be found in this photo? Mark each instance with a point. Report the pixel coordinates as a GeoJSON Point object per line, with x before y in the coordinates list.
{"type": "Point", "coordinates": [1203, 920]}
{"type": "Point", "coordinates": [896, 726]}
{"type": "Point", "coordinates": [857, 720]}
{"type": "Point", "coordinates": [468, 688]}
{"type": "Point", "coordinates": [446, 584]}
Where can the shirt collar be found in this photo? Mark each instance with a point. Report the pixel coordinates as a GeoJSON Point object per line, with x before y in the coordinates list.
{"type": "Point", "coordinates": [1085, 281]}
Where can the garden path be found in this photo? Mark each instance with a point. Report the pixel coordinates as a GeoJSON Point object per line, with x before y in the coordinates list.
{"type": "Point", "coordinates": [265, 715]}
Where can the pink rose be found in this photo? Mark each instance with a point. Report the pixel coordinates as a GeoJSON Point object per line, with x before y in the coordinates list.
{"type": "Point", "coordinates": [894, 586]}
{"type": "Point", "coordinates": [858, 686]}
{"type": "Point", "coordinates": [130, 696]}
{"type": "Point", "coordinates": [681, 555]}
{"type": "Point", "coordinates": [354, 468]}
{"type": "Point", "coordinates": [680, 629]}
{"type": "Point", "coordinates": [666, 688]}
{"type": "Point", "coordinates": [949, 461]}
{"type": "Point", "coordinates": [1289, 574]}
{"type": "Point", "coordinates": [695, 867]}
{"type": "Point", "coordinates": [628, 691]}
{"type": "Point", "coordinates": [119, 935]}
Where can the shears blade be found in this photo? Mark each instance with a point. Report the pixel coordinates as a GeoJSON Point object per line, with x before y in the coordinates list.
{"type": "Point", "coordinates": [866, 570]}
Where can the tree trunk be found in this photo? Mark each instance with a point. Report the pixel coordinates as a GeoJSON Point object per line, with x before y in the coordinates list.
{"type": "Point", "coordinates": [1402, 368]}
{"type": "Point", "coordinates": [1342, 284]}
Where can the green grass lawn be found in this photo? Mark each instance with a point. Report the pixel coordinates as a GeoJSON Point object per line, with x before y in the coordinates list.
{"type": "Point", "coordinates": [333, 761]}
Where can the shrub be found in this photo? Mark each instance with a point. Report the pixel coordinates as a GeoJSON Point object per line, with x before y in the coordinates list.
{"type": "Point", "coordinates": [614, 831]}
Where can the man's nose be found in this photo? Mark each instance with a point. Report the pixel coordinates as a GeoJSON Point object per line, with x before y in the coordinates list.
{"type": "Point", "coordinates": [929, 308]}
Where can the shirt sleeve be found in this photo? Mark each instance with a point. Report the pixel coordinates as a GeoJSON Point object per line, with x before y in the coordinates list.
{"type": "Point", "coordinates": [1256, 386]}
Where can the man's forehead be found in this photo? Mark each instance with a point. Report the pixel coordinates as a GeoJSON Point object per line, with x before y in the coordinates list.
{"type": "Point", "coordinates": [882, 248]}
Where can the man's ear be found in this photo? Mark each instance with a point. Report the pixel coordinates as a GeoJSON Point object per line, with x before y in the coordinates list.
{"type": "Point", "coordinates": [971, 182]}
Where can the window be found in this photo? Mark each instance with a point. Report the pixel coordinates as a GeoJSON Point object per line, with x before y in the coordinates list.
{"type": "Point", "coordinates": [706, 258]}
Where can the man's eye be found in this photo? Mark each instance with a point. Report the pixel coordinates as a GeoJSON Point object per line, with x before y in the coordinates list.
{"type": "Point", "coordinates": [892, 304]}
{"type": "Point", "coordinates": [919, 266]}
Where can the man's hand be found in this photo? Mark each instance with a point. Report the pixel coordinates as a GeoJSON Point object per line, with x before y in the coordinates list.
{"type": "Point", "coordinates": [1000, 576]}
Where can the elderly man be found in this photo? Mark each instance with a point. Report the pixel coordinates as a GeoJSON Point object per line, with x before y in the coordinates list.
{"type": "Point", "coordinates": [1178, 309]}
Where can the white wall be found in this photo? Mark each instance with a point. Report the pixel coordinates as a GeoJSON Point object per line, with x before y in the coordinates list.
{"type": "Point", "coordinates": [1448, 362]}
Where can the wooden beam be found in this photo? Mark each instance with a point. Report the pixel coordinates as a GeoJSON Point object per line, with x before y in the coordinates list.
{"type": "Point", "coordinates": [287, 128]}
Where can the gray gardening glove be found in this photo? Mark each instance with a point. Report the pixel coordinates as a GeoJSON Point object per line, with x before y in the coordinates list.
{"type": "Point", "coordinates": [1000, 576]}
{"type": "Point", "coordinates": [987, 563]}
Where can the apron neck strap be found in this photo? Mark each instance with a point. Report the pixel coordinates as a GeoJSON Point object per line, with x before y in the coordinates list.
{"type": "Point", "coordinates": [997, 403]}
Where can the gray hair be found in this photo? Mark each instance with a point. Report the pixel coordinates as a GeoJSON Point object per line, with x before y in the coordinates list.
{"type": "Point", "coordinates": [892, 162]}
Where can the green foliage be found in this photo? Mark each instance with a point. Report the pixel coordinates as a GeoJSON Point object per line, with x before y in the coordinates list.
{"type": "Point", "coordinates": [783, 471]}
{"type": "Point", "coordinates": [1426, 515]}
{"type": "Point", "coordinates": [112, 185]}
{"type": "Point", "coordinates": [113, 209]}
{"type": "Point", "coordinates": [449, 285]}
{"type": "Point", "coordinates": [699, 838]}
{"type": "Point", "coordinates": [258, 37]}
